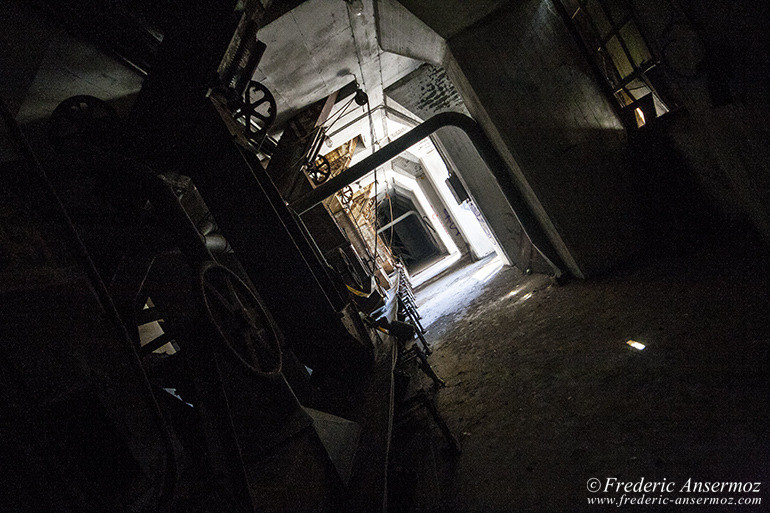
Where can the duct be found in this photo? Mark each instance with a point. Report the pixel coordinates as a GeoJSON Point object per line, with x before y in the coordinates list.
{"type": "Point", "coordinates": [487, 152]}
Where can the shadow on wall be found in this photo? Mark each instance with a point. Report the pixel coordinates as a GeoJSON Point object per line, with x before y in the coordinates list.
{"type": "Point", "coordinates": [535, 94]}
{"type": "Point", "coordinates": [714, 64]}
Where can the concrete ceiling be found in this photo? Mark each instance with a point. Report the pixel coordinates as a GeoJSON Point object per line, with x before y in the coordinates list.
{"type": "Point", "coordinates": [318, 47]}
{"type": "Point", "coordinates": [401, 32]}
{"type": "Point", "coordinates": [450, 17]}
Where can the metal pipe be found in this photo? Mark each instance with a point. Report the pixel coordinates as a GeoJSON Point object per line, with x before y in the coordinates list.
{"type": "Point", "coordinates": [396, 221]}
{"type": "Point", "coordinates": [216, 243]}
{"type": "Point", "coordinates": [487, 152]}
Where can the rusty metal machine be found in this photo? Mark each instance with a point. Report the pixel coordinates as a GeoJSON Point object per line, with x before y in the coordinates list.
{"type": "Point", "coordinates": [172, 340]}
{"type": "Point", "coordinates": [200, 415]}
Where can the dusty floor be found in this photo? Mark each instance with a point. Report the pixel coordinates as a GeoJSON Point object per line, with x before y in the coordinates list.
{"type": "Point", "coordinates": [544, 393]}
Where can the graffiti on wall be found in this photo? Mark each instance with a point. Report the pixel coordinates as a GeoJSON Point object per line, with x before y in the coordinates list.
{"type": "Point", "coordinates": [450, 223]}
{"type": "Point", "coordinates": [476, 212]}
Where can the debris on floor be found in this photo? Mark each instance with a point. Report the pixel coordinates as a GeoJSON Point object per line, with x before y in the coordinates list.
{"type": "Point", "coordinates": [544, 393]}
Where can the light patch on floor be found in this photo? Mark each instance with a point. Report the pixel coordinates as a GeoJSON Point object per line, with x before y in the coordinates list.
{"type": "Point", "coordinates": [433, 270]}
{"type": "Point", "coordinates": [447, 297]}
{"type": "Point", "coordinates": [488, 271]}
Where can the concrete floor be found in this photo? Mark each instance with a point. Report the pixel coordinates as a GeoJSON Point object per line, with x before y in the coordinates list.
{"type": "Point", "coordinates": [544, 393]}
{"type": "Point", "coordinates": [444, 298]}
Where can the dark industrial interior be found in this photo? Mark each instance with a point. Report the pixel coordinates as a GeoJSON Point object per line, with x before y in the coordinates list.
{"type": "Point", "coordinates": [384, 255]}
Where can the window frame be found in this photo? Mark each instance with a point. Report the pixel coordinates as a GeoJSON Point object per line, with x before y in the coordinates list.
{"type": "Point", "coordinates": [596, 41]}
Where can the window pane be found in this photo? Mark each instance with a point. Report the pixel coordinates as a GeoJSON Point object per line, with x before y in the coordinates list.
{"type": "Point", "coordinates": [635, 44]}
{"type": "Point", "coordinates": [619, 57]}
{"type": "Point", "coordinates": [660, 107]}
{"type": "Point", "coordinates": [623, 98]}
{"type": "Point", "coordinates": [596, 12]}
{"type": "Point", "coordinates": [638, 89]}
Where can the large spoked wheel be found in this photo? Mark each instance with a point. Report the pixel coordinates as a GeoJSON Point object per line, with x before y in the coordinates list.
{"type": "Point", "coordinates": [369, 208]}
{"type": "Point", "coordinates": [346, 196]}
{"type": "Point", "coordinates": [240, 320]}
{"type": "Point", "coordinates": [319, 171]}
{"type": "Point", "coordinates": [259, 105]}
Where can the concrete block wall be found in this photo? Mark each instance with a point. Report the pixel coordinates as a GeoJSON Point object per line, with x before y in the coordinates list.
{"type": "Point", "coordinates": [427, 91]}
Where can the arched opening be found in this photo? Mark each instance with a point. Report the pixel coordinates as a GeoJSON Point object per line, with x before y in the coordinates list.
{"type": "Point", "coordinates": [404, 229]}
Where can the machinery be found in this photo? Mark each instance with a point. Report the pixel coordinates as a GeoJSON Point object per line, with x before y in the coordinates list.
{"type": "Point", "coordinates": [176, 338]}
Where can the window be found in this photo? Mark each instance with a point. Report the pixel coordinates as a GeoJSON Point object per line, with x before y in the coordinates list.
{"type": "Point", "coordinates": [611, 35]}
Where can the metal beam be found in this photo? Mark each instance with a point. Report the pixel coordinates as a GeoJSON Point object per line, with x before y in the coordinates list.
{"type": "Point", "coordinates": [487, 152]}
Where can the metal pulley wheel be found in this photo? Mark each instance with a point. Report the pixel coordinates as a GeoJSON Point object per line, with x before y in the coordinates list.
{"type": "Point", "coordinates": [81, 122]}
{"type": "Point", "coordinates": [346, 196]}
{"type": "Point", "coordinates": [260, 105]}
{"type": "Point", "coordinates": [319, 171]}
{"type": "Point", "coordinates": [368, 208]}
{"type": "Point", "coordinates": [240, 320]}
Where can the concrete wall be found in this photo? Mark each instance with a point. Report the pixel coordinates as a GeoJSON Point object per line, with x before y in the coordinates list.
{"type": "Point", "coordinates": [466, 217]}
{"type": "Point", "coordinates": [525, 80]}
{"type": "Point", "coordinates": [428, 91]}
{"type": "Point", "coordinates": [416, 171]}
{"type": "Point", "coordinates": [23, 43]}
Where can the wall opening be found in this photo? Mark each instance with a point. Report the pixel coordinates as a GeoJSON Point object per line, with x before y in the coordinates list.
{"type": "Point", "coordinates": [404, 230]}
